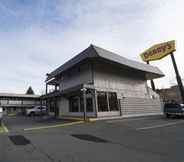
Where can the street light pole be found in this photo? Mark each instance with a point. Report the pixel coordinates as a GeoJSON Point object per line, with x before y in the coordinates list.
{"type": "Point", "coordinates": [84, 101]}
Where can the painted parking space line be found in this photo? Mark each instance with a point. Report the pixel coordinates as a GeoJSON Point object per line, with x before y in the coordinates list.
{"type": "Point", "coordinates": [53, 126]}
{"type": "Point", "coordinates": [122, 120]}
{"type": "Point", "coordinates": [160, 125]}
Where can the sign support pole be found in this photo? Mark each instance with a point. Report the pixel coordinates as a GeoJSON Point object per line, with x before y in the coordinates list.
{"type": "Point", "coordinates": [152, 82]}
{"type": "Point", "coordinates": [178, 78]}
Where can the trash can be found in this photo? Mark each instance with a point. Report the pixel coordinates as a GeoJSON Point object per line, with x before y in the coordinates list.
{"type": "Point", "coordinates": [1, 115]}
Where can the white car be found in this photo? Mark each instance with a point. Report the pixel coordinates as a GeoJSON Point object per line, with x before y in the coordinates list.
{"type": "Point", "coordinates": [37, 110]}
{"type": "Point", "coordinates": [1, 114]}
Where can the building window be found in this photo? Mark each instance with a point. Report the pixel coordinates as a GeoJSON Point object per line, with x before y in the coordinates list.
{"type": "Point", "coordinates": [107, 101]}
{"type": "Point", "coordinates": [153, 97]}
{"type": "Point", "coordinates": [113, 102]}
{"type": "Point", "coordinates": [102, 101]}
{"type": "Point", "coordinates": [79, 69]}
{"type": "Point", "coordinates": [89, 104]}
{"type": "Point", "coordinates": [74, 104]}
{"type": "Point", "coordinates": [81, 104]}
{"type": "Point", "coordinates": [52, 105]}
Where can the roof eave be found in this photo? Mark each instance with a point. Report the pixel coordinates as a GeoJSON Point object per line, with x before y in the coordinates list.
{"type": "Point", "coordinates": [94, 51]}
{"type": "Point", "coordinates": [87, 53]}
{"type": "Point", "coordinates": [150, 76]}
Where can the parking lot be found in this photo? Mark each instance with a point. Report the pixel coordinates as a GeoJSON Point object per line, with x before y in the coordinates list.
{"type": "Point", "coordinates": [153, 139]}
{"type": "Point", "coordinates": [19, 123]}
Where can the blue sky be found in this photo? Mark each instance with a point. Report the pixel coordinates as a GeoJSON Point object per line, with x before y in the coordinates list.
{"type": "Point", "coordinates": [39, 35]}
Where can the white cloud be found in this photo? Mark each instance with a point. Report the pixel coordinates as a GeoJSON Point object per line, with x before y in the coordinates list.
{"type": "Point", "coordinates": [57, 34]}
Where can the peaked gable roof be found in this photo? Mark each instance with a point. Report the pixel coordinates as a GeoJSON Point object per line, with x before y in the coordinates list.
{"type": "Point", "coordinates": [96, 52]}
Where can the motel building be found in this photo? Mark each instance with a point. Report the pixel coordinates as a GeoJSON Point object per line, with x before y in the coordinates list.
{"type": "Point", "coordinates": [18, 103]}
{"type": "Point", "coordinates": [104, 84]}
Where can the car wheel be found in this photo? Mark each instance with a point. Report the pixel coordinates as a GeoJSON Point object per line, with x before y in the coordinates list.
{"type": "Point", "coordinates": [168, 115]}
{"type": "Point", "coordinates": [32, 114]}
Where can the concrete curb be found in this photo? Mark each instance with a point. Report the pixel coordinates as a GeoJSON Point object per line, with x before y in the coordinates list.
{"type": "Point", "coordinates": [53, 126]}
{"type": "Point", "coordinates": [79, 119]}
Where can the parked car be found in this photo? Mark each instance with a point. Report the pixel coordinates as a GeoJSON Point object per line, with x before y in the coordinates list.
{"type": "Point", "coordinates": [1, 114]}
{"type": "Point", "coordinates": [37, 110]}
{"type": "Point", "coordinates": [173, 109]}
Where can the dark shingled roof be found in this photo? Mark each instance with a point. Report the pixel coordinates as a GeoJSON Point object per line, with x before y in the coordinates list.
{"type": "Point", "coordinates": [18, 95]}
{"type": "Point", "coordinates": [96, 52]}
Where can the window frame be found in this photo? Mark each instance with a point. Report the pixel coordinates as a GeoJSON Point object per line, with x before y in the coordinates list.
{"type": "Point", "coordinates": [71, 100]}
{"type": "Point", "coordinates": [104, 106]}
{"type": "Point", "coordinates": [108, 101]}
{"type": "Point", "coordinates": [114, 107]}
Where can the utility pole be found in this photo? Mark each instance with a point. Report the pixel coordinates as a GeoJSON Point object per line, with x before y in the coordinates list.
{"type": "Point", "coordinates": [178, 78]}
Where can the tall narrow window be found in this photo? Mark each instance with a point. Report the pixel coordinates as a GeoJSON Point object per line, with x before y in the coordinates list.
{"type": "Point", "coordinates": [113, 102]}
{"type": "Point", "coordinates": [89, 105]}
{"type": "Point", "coordinates": [74, 104]}
{"type": "Point", "coordinates": [102, 101]}
{"type": "Point", "coordinates": [81, 104]}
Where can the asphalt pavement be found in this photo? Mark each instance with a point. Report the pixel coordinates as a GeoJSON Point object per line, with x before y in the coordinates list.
{"type": "Point", "coordinates": [153, 139]}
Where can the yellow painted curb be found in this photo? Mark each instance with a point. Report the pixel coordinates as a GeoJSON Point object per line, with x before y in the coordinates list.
{"type": "Point", "coordinates": [5, 129]}
{"type": "Point", "coordinates": [72, 118]}
{"type": "Point", "coordinates": [1, 129]}
{"type": "Point", "coordinates": [79, 119]}
{"type": "Point", "coordinates": [11, 115]}
{"type": "Point", "coordinates": [92, 120]}
{"type": "Point", "coordinates": [53, 126]}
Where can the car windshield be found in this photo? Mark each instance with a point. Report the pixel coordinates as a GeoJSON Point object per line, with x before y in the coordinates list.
{"type": "Point", "coordinates": [40, 108]}
{"type": "Point", "coordinates": [172, 105]}
{"type": "Point", "coordinates": [30, 108]}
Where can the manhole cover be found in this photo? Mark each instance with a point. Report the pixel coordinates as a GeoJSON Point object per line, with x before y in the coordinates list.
{"type": "Point", "coordinates": [88, 137]}
{"type": "Point", "coordinates": [19, 140]}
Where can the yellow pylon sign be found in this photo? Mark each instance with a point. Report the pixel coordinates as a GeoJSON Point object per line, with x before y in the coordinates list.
{"type": "Point", "coordinates": [158, 51]}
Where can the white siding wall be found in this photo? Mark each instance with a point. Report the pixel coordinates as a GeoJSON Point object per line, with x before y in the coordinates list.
{"type": "Point", "coordinates": [3, 102]}
{"type": "Point", "coordinates": [140, 106]}
{"type": "Point", "coordinates": [19, 102]}
{"type": "Point", "coordinates": [63, 105]}
{"type": "Point", "coordinates": [112, 79]}
{"type": "Point", "coordinates": [135, 96]}
{"type": "Point", "coordinates": [29, 102]}
{"type": "Point", "coordinates": [75, 77]}
{"type": "Point", "coordinates": [15, 102]}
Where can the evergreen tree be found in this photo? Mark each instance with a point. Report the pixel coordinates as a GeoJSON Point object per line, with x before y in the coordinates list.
{"type": "Point", "coordinates": [30, 90]}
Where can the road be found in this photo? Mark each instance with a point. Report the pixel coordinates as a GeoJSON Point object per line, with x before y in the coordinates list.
{"type": "Point", "coordinates": [153, 139]}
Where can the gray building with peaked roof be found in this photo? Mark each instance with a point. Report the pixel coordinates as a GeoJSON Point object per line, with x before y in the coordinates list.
{"type": "Point", "coordinates": [102, 84]}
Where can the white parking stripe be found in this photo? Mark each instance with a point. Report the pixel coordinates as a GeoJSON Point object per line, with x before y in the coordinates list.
{"type": "Point", "coordinates": [160, 126]}
{"type": "Point", "coordinates": [122, 120]}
